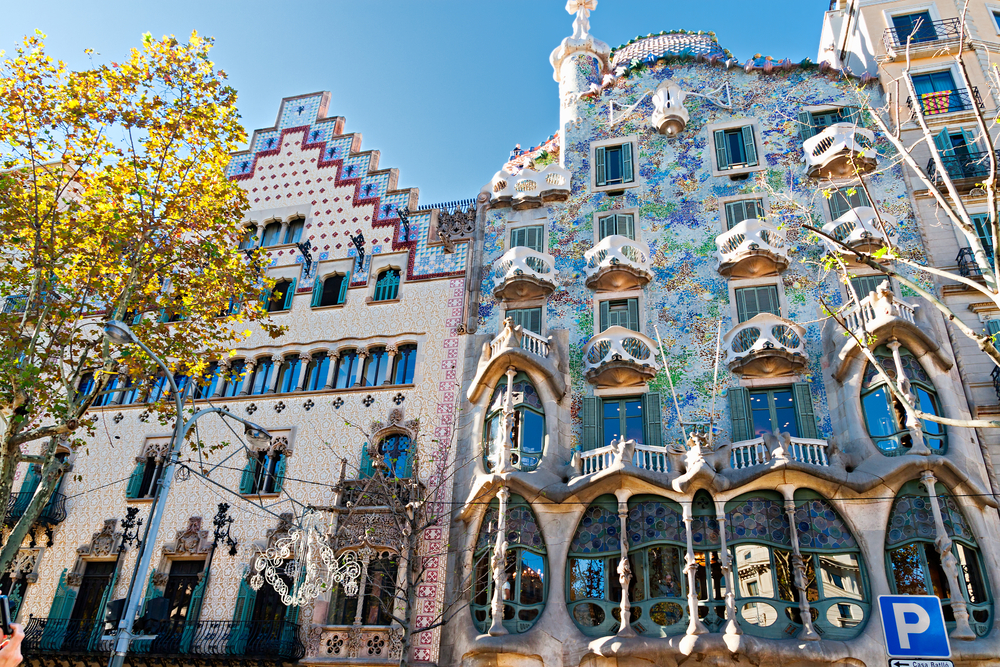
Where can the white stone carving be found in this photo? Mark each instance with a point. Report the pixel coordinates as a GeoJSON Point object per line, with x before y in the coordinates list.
{"type": "Point", "coordinates": [860, 229]}
{"type": "Point", "coordinates": [669, 115]}
{"type": "Point", "coordinates": [529, 188]}
{"type": "Point", "coordinates": [522, 273]}
{"type": "Point", "coordinates": [616, 255]}
{"type": "Point", "coordinates": [619, 357]}
{"type": "Point", "coordinates": [752, 248]}
{"type": "Point", "coordinates": [843, 149]}
{"type": "Point", "coordinates": [765, 345]}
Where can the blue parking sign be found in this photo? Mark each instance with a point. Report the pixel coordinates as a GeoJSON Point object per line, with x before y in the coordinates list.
{"type": "Point", "coordinates": [914, 626]}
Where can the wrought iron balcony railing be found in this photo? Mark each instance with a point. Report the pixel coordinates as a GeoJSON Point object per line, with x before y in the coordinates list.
{"type": "Point", "coordinates": [15, 303]}
{"type": "Point", "coordinates": [54, 511]}
{"type": "Point", "coordinates": [968, 267]}
{"type": "Point", "coordinates": [262, 640]}
{"type": "Point", "coordinates": [975, 164]}
{"type": "Point", "coordinates": [923, 32]}
{"type": "Point", "coordinates": [947, 101]}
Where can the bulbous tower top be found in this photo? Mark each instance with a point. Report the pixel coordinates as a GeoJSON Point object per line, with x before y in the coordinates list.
{"type": "Point", "coordinates": [581, 42]}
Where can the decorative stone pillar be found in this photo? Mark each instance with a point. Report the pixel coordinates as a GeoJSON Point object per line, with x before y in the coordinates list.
{"type": "Point", "coordinates": [362, 355]}
{"type": "Point", "coordinates": [365, 554]}
{"type": "Point", "coordinates": [247, 384]}
{"type": "Point", "coordinates": [732, 623]}
{"type": "Point", "coordinates": [624, 568]}
{"type": "Point", "coordinates": [695, 626]}
{"type": "Point", "coordinates": [220, 383]}
{"type": "Point", "coordinates": [390, 355]}
{"type": "Point", "coordinates": [331, 373]}
{"type": "Point", "coordinates": [258, 235]}
{"type": "Point", "coordinates": [499, 564]}
{"type": "Point", "coordinates": [949, 563]}
{"type": "Point", "coordinates": [808, 632]}
{"type": "Point", "coordinates": [912, 421]}
{"type": "Point", "coordinates": [503, 449]}
{"type": "Point", "coordinates": [283, 232]}
{"type": "Point", "coordinates": [304, 360]}
{"type": "Point", "coordinates": [272, 382]}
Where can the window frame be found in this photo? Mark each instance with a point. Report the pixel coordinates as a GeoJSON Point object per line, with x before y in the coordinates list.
{"type": "Point", "coordinates": [622, 417]}
{"type": "Point", "coordinates": [636, 223]}
{"type": "Point", "coordinates": [633, 141]}
{"type": "Point", "coordinates": [734, 285]}
{"type": "Point", "coordinates": [541, 317]}
{"type": "Point", "coordinates": [710, 148]}
{"type": "Point", "coordinates": [638, 295]}
{"type": "Point", "coordinates": [725, 202]}
{"type": "Point", "coordinates": [772, 408]}
{"type": "Point", "coordinates": [512, 229]}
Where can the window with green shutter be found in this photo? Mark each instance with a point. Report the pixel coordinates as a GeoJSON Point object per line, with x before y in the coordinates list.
{"type": "Point", "coordinates": [864, 285]}
{"type": "Point", "coordinates": [744, 209]}
{"type": "Point", "coordinates": [634, 418]}
{"type": "Point", "coordinates": [735, 148]}
{"type": "Point", "coordinates": [842, 200]}
{"type": "Point", "coordinates": [751, 301]}
{"type": "Point", "coordinates": [528, 237]}
{"type": "Point", "coordinates": [993, 328]}
{"type": "Point", "coordinates": [613, 165]}
{"type": "Point", "coordinates": [387, 286]}
{"type": "Point", "coordinates": [981, 221]}
{"type": "Point", "coordinates": [330, 291]}
{"type": "Point", "coordinates": [528, 318]}
{"type": "Point", "coordinates": [812, 123]}
{"type": "Point", "coordinates": [621, 224]}
{"type": "Point", "coordinates": [739, 414]}
{"type": "Point", "coordinates": [773, 411]}
{"type": "Point", "coordinates": [621, 313]}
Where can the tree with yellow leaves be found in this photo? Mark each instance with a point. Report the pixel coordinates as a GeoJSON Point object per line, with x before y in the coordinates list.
{"type": "Point", "coordinates": [114, 204]}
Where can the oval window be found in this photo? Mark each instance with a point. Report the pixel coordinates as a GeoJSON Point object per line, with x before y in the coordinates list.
{"type": "Point", "coordinates": [666, 613]}
{"type": "Point", "coordinates": [759, 613]}
{"type": "Point", "coordinates": [588, 614]}
{"type": "Point", "coordinates": [634, 614]}
{"type": "Point", "coordinates": [844, 615]}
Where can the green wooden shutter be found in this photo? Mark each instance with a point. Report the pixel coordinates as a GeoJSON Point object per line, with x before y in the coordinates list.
{"type": "Point", "coordinates": [838, 204]}
{"type": "Point", "coordinates": [102, 612]}
{"type": "Point", "coordinates": [970, 140]}
{"type": "Point", "coordinates": [626, 225]}
{"type": "Point", "coordinates": [605, 314]}
{"type": "Point", "coordinates": [943, 142]}
{"type": "Point", "coordinates": [981, 221]}
{"type": "Point", "coordinates": [16, 597]}
{"type": "Point", "coordinates": [343, 288]}
{"type": "Point", "coordinates": [602, 179]}
{"type": "Point", "coordinates": [749, 145]}
{"type": "Point", "coordinates": [651, 411]}
{"type": "Point", "coordinates": [289, 628]}
{"type": "Point", "coordinates": [804, 409]}
{"type": "Point", "coordinates": [589, 410]}
{"type": "Point", "coordinates": [739, 414]}
{"type": "Point", "coordinates": [367, 467]}
{"type": "Point", "coordinates": [246, 481]}
{"type": "Point", "coordinates": [290, 295]}
{"type": "Point", "coordinates": [193, 613]}
{"type": "Point", "coordinates": [993, 328]}
{"type": "Point", "coordinates": [633, 314]}
{"type": "Point", "coordinates": [721, 152]}
{"type": "Point", "coordinates": [151, 592]}
{"type": "Point", "coordinates": [31, 479]}
{"type": "Point", "coordinates": [163, 315]}
{"type": "Point", "coordinates": [851, 115]}
{"type": "Point", "coordinates": [627, 163]}
{"type": "Point", "coordinates": [317, 293]}
{"type": "Point", "coordinates": [241, 617]}
{"type": "Point", "coordinates": [279, 472]}
{"type": "Point", "coordinates": [135, 480]}
{"type": "Point", "coordinates": [62, 606]}
{"type": "Point", "coordinates": [408, 463]}
{"type": "Point", "coordinates": [805, 125]}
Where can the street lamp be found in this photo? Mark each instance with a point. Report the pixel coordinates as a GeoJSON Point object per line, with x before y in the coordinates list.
{"type": "Point", "coordinates": [119, 332]}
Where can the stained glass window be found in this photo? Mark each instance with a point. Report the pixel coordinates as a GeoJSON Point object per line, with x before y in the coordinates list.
{"type": "Point", "coordinates": [527, 430]}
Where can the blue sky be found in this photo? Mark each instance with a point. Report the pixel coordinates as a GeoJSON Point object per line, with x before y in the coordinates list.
{"type": "Point", "coordinates": [442, 88]}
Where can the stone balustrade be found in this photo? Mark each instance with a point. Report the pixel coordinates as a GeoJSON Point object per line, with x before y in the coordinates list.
{"type": "Point", "coordinates": [352, 643]}
{"type": "Point", "coordinates": [618, 263]}
{"type": "Point", "coordinates": [619, 357]}
{"type": "Point", "coordinates": [878, 309]}
{"type": "Point", "coordinates": [523, 273]}
{"type": "Point", "coordinates": [765, 346]}
{"type": "Point", "coordinates": [644, 457]}
{"type": "Point", "coordinates": [750, 453]}
{"type": "Point", "coordinates": [751, 249]}
{"type": "Point", "coordinates": [529, 341]}
{"type": "Point", "coordinates": [843, 149]}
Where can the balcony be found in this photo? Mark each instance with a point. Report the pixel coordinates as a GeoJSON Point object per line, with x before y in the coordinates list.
{"type": "Point", "coordinates": [947, 101]}
{"type": "Point", "coordinates": [860, 230]}
{"type": "Point", "coordinates": [843, 149]}
{"type": "Point", "coordinates": [361, 493]}
{"type": "Point", "coordinates": [270, 641]}
{"type": "Point", "coordinates": [751, 453]}
{"type": "Point", "coordinates": [765, 346]}
{"type": "Point", "coordinates": [619, 357]}
{"type": "Point", "coordinates": [372, 643]}
{"type": "Point", "coordinates": [618, 263]}
{"type": "Point", "coordinates": [523, 273]}
{"type": "Point", "coordinates": [15, 303]}
{"type": "Point", "coordinates": [968, 267]}
{"type": "Point", "coordinates": [53, 513]}
{"type": "Point", "coordinates": [932, 35]}
{"type": "Point", "coordinates": [520, 337]}
{"type": "Point", "coordinates": [529, 188]}
{"type": "Point", "coordinates": [879, 313]}
{"type": "Point", "coordinates": [751, 249]}
{"type": "Point", "coordinates": [966, 170]}
{"type": "Point", "coordinates": [995, 376]}
{"type": "Point", "coordinates": [644, 457]}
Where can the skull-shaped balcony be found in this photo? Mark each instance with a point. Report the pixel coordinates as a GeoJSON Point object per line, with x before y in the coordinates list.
{"type": "Point", "coordinates": [843, 149]}
{"type": "Point", "coordinates": [882, 314]}
{"type": "Point", "coordinates": [751, 249]}
{"type": "Point", "coordinates": [529, 188]}
{"type": "Point", "coordinates": [523, 273]}
{"type": "Point", "coordinates": [765, 346]}
{"type": "Point", "coordinates": [618, 263]}
{"type": "Point", "coordinates": [619, 357]}
{"type": "Point", "coordinates": [861, 230]}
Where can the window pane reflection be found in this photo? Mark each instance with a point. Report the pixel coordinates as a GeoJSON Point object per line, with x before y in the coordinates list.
{"type": "Point", "coordinates": [753, 571]}
{"type": "Point", "coordinates": [586, 579]}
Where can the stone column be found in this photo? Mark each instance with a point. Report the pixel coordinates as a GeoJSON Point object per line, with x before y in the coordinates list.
{"type": "Point", "coordinates": [365, 554]}
{"type": "Point", "coordinates": [503, 451]}
{"type": "Point", "coordinates": [732, 622]}
{"type": "Point", "coordinates": [949, 563]}
{"type": "Point", "coordinates": [808, 632]}
{"type": "Point", "coordinates": [390, 354]}
{"type": "Point", "coordinates": [247, 385]}
{"type": "Point", "coordinates": [259, 235]}
{"type": "Point", "coordinates": [695, 626]}
{"type": "Point", "coordinates": [220, 382]}
{"type": "Point", "coordinates": [362, 355]}
{"type": "Point", "coordinates": [912, 421]}
{"type": "Point", "coordinates": [331, 373]}
{"type": "Point", "coordinates": [272, 382]}
{"type": "Point", "coordinates": [624, 568]}
{"type": "Point", "coordinates": [499, 564]}
{"type": "Point", "coordinates": [283, 232]}
{"type": "Point", "coordinates": [304, 360]}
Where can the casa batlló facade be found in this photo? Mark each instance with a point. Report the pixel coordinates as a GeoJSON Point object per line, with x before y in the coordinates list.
{"type": "Point", "coordinates": [615, 368]}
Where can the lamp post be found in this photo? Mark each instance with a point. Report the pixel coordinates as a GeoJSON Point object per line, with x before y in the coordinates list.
{"type": "Point", "coordinates": [119, 332]}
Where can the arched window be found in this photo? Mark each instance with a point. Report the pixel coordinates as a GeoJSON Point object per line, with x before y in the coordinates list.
{"type": "Point", "coordinates": [232, 379]}
{"type": "Point", "coordinates": [264, 473]}
{"type": "Point", "coordinates": [281, 296]}
{"type": "Point", "coordinates": [316, 372]}
{"type": "Point", "coordinates": [767, 599]}
{"type": "Point", "coordinates": [395, 451]}
{"type": "Point", "coordinates": [884, 415]}
{"type": "Point", "coordinates": [913, 560]}
{"type": "Point", "coordinates": [133, 391]}
{"type": "Point", "coordinates": [379, 595]}
{"type": "Point", "coordinates": [272, 234]}
{"type": "Point", "coordinates": [85, 386]}
{"type": "Point", "coordinates": [293, 234]}
{"type": "Point", "coordinates": [248, 239]}
{"type": "Point", "coordinates": [209, 379]}
{"type": "Point", "coordinates": [288, 374]}
{"type": "Point", "coordinates": [347, 369]}
{"type": "Point", "coordinates": [527, 436]}
{"type": "Point", "coordinates": [375, 367]}
{"type": "Point", "coordinates": [261, 380]}
{"type": "Point", "coordinates": [404, 364]}
{"type": "Point", "coordinates": [331, 291]}
{"type": "Point", "coordinates": [387, 285]}
{"type": "Point", "coordinates": [107, 395]}
{"type": "Point", "coordinates": [525, 585]}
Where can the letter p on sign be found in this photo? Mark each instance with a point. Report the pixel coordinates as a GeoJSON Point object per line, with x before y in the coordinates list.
{"type": "Point", "coordinates": [914, 626]}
